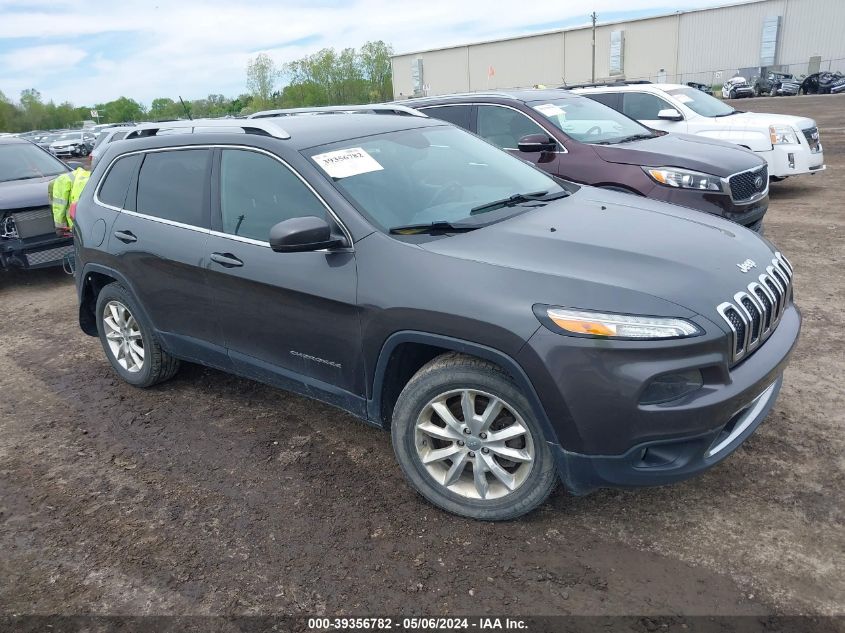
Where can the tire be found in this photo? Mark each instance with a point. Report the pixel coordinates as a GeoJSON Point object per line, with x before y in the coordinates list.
{"type": "Point", "coordinates": [84, 151]}
{"type": "Point", "coordinates": [129, 326]}
{"type": "Point", "coordinates": [757, 91]}
{"type": "Point", "coordinates": [773, 92]}
{"type": "Point", "coordinates": [442, 383]}
{"type": "Point", "coordinates": [732, 94]}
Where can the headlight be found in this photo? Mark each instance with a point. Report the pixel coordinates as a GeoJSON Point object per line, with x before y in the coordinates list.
{"type": "Point", "coordinates": [684, 178]}
{"type": "Point", "coordinates": [620, 325]}
{"type": "Point", "coordinates": [782, 135]}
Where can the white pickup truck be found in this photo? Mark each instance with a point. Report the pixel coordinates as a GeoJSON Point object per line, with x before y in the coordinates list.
{"type": "Point", "coordinates": [790, 144]}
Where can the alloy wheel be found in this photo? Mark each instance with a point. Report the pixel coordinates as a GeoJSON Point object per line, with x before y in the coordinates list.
{"type": "Point", "coordinates": [123, 335]}
{"type": "Point", "coordinates": [474, 444]}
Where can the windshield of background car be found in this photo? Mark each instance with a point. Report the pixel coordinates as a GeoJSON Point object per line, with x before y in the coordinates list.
{"type": "Point", "coordinates": [700, 102]}
{"type": "Point", "coordinates": [425, 175]}
{"type": "Point", "coordinates": [589, 121]}
{"type": "Point", "coordinates": [21, 161]}
{"type": "Point", "coordinates": [70, 136]}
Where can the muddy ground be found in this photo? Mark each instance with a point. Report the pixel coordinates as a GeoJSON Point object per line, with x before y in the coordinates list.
{"type": "Point", "coordinates": [215, 495]}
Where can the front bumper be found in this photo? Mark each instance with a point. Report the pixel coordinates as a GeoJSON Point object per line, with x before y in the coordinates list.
{"type": "Point", "coordinates": [749, 215]}
{"type": "Point", "coordinates": [35, 252]}
{"type": "Point", "coordinates": [606, 438]}
{"type": "Point", "coordinates": [791, 160]}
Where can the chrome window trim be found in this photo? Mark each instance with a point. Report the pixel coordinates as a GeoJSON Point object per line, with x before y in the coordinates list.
{"type": "Point", "coordinates": [236, 238]}
{"type": "Point", "coordinates": [502, 105]}
{"type": "Point", "coordinates": [181, 225]}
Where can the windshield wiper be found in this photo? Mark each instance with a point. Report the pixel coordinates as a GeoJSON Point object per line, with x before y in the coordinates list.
{"type": "Point", "coordinates": [635, 137]}
{"type": "Point", "coordinates": [518, 198]}
{"type": "Point", "coordinates": [440, 226]}
{"type": "Point", "coordinates": [716, 116]}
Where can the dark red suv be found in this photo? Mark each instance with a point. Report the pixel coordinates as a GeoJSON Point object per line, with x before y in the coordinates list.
{"type": "Point", "coordinates": [584, 141]}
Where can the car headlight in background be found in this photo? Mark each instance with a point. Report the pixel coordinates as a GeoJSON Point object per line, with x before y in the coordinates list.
{"type": "Point", "coordinates": [627, 326]}
{"type": "Point", "coordinates": [684, 178]}
{"type": "Point", "coordinates": [782, 135]}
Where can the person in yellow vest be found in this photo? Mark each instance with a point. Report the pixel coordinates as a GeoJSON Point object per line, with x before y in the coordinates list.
{"type": "Point", "coordinates": [64, 193]}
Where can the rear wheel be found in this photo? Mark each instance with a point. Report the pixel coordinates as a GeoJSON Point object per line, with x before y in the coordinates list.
{"type": "Point", "coordinates": [466, 438]}
{"type": "Point", "coordinates": [129, 342]}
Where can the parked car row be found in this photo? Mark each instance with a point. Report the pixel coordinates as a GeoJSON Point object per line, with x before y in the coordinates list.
{"type": "Point", "coordinates": [511, 328]}
{"type": "Point", "coordinates": [779, 84]}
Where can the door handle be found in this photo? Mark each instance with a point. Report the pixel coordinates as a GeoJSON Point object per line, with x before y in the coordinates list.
{"type": "Point", "coordinates": [127, 237]}
{"type": "Point", "coordinates": [226, 259]}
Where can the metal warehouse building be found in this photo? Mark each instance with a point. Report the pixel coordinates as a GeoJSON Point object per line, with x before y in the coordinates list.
{"type": "Point", "coordinates": [705, 46]}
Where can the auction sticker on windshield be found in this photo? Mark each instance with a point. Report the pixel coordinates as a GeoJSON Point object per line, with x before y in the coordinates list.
{"type": "Point", "coordinates": [550, 109]}
{"type": "Point", "coordinates": [348, 162]}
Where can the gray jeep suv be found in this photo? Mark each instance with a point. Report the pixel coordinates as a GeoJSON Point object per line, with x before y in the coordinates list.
{"type": "Point", "coordinates": [511, 330]}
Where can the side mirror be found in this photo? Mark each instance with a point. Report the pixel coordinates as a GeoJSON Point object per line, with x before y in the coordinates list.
{"type": "Point", "coordinates": [299, 235]}
{"type": "Point", "coordinates": [533, 143]}
{"type": "Point", "coordinates": [670, 114]}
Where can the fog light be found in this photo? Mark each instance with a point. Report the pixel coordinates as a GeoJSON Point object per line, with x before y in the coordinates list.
{"type": "Point", "coordinates": [672, 386]}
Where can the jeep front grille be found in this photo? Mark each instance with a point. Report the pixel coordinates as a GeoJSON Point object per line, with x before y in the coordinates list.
{"type": "Point", "coordinates": [754, 312]}
{"type": "Point", "coordinates": [749, 184]}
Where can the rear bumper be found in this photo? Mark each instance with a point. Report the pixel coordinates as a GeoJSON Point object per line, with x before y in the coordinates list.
{"type": "Point", "coordinates": [35, 252]}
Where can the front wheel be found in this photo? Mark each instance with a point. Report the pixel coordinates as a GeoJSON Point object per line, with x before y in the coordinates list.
{"type": "Point", "coordinates": [467, 440]}
{"type": "Point", "coordinates": [732, 94]}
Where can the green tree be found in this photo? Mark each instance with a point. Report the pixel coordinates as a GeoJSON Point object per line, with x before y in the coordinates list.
{"type": "Point", "coordinates": [377, 69]}
{"type": "Point", "coordinates": [261, 76]}
{"type": "Point", "coordinates": [120, 110]}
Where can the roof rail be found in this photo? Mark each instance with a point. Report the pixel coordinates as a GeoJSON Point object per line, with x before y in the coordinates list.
{"type": "Point", "coordinates": [603, 84]}
{"type": "Point", "coordinates": [370, 108]}
{"type": "Point", "coordinates": [198, 126]}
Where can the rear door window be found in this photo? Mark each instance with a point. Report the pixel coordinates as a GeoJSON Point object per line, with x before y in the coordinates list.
{"type": "Point", "coordinates": [610, 99]}
{"type": "Point", "coordinates": [172, 185]}
{"type": "Point", "coordinates": [455, 114]}
{"type": "Point", "coordinates": [116, 183]}
{"type": "Point", "coordinates": [642, 106]}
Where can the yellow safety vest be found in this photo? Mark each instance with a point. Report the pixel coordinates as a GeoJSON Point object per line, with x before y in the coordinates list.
{"type": "Point", "coordinates": [65, 193]}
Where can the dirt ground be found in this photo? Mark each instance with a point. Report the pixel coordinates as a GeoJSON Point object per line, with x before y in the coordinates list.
{"type": "Point", "coordinates": [215, 495]}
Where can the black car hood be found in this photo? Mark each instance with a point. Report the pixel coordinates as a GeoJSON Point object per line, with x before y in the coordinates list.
{"type": "Point", "coordinates": [20, 194]}
{"type": "Point", "coordinates": [609, 245]}
{"type": "Point", "coordinates": [698, 153]}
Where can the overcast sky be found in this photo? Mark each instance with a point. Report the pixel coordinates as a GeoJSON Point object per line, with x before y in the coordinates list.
{"type": "Point", "coordinates": [88, 52]}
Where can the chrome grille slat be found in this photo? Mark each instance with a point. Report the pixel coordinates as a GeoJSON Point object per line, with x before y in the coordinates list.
{"type": "Point", "coordinates": [755, 311]}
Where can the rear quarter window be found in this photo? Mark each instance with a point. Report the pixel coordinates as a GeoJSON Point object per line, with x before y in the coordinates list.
{"type": "Point", "coordinates": [116, 182]}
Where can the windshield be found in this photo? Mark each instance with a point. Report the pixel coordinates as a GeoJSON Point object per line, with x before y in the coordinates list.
{"type": "Point", "coordinates": [70, 136]}
{"type": "Point", "coordinates": [20, 161]}
{"type": "Point", "coordinates": [426, 175]}
{"type": "Point", "coordinates": [589, 121]}
{"type": "Point", "coordinates": [700, 102]}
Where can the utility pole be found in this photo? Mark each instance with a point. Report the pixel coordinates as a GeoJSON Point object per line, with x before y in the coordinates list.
{"type": "Point", "coordinates": [593, 17]}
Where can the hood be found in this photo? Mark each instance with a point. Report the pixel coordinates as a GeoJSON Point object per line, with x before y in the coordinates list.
{"type": "Point", "coordinates": [65, 143]}
{"type": "Point", "coordinates": [761, 121]}
{"type": "Point", "coordinates": [609, 245]}
{"type": "Point", "coordinates": [699, 153]}
{"type": "Point", "coordinates": [20, 194]}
